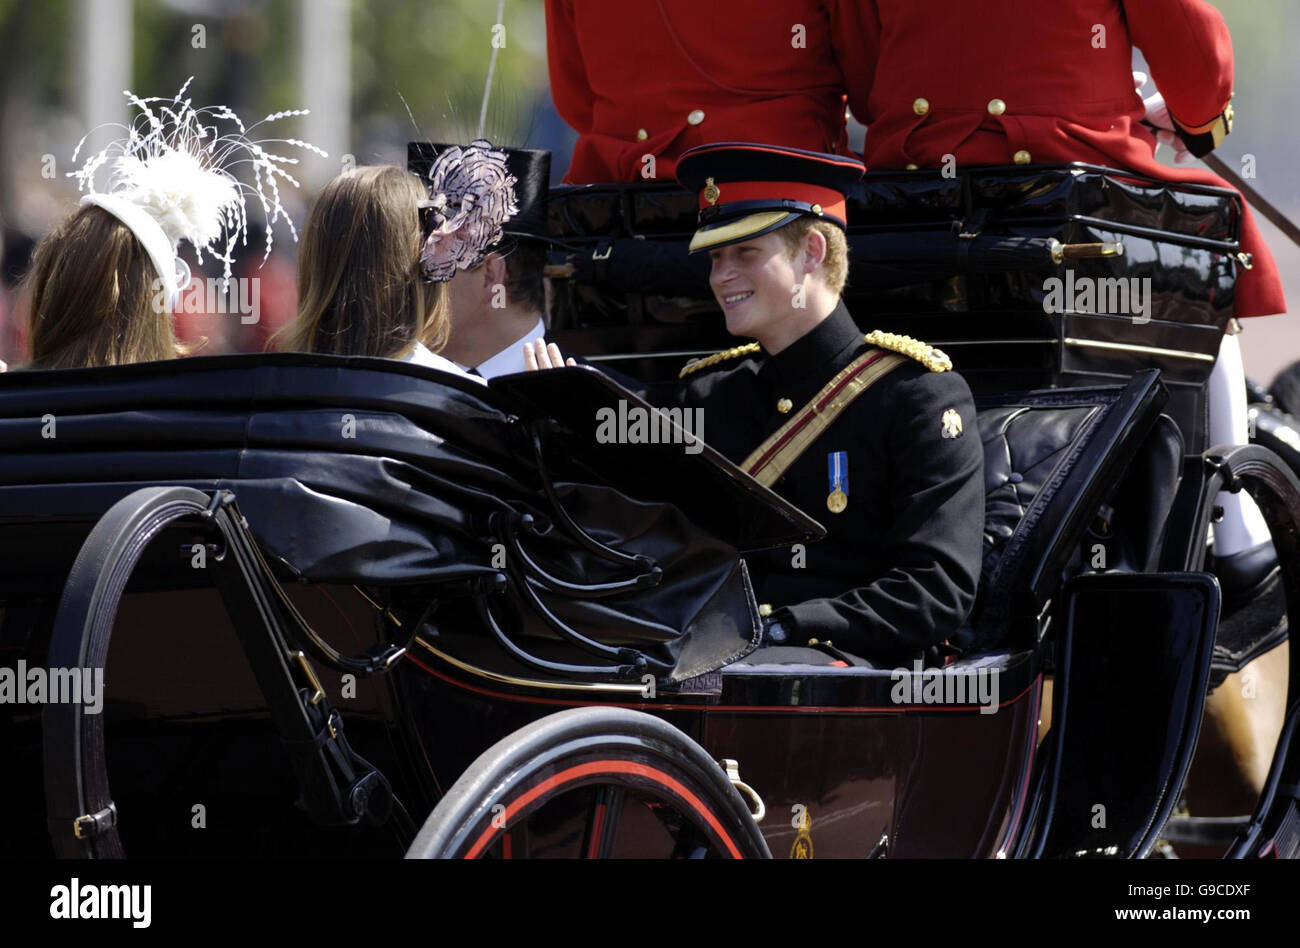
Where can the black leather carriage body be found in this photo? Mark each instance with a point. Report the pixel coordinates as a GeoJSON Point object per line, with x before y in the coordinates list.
{"type": "Point", "coordinates": [963, 262]}
{"type": "Point", "coordinates": [383, 474]}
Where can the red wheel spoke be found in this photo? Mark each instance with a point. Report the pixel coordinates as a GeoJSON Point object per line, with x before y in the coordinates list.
{"type": "Point", "coordinates": [602, 822]}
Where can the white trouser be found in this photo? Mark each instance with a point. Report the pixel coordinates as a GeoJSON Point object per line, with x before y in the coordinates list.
{"type": "Point", "coordinates": [1242, 525]}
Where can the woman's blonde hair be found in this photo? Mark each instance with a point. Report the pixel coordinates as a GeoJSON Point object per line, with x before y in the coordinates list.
{"type": "Point", "coordinates": [96, 297]}
{"type": "Point", "coordinates": [360, 290]}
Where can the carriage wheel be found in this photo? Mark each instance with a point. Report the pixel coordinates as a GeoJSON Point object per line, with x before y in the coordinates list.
{"type": "Point", "coordinates": [592, 783]}
{"type": "Point", "coordinates": [1273, 829]}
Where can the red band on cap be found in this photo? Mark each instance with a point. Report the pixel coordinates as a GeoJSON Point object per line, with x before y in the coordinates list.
{"type": "Point", "coordinates": [832, 202]}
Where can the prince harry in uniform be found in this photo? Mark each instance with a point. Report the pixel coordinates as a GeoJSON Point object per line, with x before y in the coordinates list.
{"type": "Point", "coordinates": [872, 435]}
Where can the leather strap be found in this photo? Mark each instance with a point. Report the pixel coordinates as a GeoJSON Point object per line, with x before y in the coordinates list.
{"type": "Point", "coordinates": [773, 457]}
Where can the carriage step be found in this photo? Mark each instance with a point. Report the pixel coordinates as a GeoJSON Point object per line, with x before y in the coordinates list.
{"type": "Point", "coordinates": [1203, 830]}
{"type": "Point", "coordinates": [1286, 844]}
{"type": "Point", "coordinates": [1248, 632]}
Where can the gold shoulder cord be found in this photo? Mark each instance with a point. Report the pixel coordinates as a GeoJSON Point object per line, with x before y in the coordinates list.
{"type": "Point", "coordinates": [696, 364]}
{"type": "Point", "coordinates": [930, 357]}
{"type": "Point", "coordinates": [933, 359]}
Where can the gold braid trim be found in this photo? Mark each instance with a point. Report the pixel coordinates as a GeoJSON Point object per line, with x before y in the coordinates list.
{"type": "Point", "coordinates": [930, 357]}
{"type": "Point", "coordinates": [696, 364]}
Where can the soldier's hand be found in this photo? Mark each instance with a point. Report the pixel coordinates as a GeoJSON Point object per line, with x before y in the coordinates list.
{"type": "Point", "coordinates": [1157, 115]}
{"type": "Point", "coordinates": [538, 354]}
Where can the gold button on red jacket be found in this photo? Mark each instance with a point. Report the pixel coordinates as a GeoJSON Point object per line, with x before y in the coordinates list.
{"type": "Point", "coordinates": [1062, 75]}
{"type": "Point", "coordinates": [692, 73]}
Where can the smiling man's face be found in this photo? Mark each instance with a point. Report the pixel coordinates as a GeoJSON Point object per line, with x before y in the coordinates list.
{"type": "Point", "coordinates": [754, 282]}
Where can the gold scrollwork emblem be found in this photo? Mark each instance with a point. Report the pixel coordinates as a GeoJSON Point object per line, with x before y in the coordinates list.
{"type": "Point", "coordinates": [803, 844]}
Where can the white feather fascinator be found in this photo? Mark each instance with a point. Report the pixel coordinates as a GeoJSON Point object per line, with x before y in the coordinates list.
{"type": "Point", "coordinates": [171, 179]}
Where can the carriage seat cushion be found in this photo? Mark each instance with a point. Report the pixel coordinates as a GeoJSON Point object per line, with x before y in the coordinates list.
{"type": "Point", "coordinates": [1052, 460]}
{"type": "Point", "coordinates": [1023, 446]}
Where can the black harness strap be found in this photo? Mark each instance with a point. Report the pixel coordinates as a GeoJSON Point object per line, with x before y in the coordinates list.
{"type": "Point", "coordinates": [338, 786]}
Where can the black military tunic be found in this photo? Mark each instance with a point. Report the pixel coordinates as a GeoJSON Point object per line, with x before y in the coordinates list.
{"type": "Point", "coordinates": [898, 569]}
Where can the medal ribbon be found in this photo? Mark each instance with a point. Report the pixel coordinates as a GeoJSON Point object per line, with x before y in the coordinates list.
{"type": "Point", "coordinates": [837, 471]}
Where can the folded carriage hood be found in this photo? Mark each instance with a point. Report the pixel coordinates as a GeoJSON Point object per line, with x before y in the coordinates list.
{"type": "Point", "coordinates": [377, 472]}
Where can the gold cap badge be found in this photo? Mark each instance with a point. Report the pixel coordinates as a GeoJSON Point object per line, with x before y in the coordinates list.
{"type": "Point", "coordinates": [711, 191]}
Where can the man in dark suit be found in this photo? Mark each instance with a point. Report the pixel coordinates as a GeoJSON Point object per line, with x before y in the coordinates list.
{"type": "Point", "coordinates": [500, 304]}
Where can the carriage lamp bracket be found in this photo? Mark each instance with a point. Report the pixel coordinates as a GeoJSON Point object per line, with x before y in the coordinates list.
{"type": "Point", "coordinates": [90, 825]}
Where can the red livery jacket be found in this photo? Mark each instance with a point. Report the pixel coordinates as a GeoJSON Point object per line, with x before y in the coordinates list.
{"type": "Point", "coordinates": [656, 77]}
{"type": "Point", "coordinates": [1020, 81]}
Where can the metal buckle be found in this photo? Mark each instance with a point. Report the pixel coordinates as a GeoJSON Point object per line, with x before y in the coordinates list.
{"type": "Point", "coordinates": [89, 825]}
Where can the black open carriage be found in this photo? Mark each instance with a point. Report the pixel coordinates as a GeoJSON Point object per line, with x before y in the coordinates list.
{"type": "Point", "coordinates": [395, 596]}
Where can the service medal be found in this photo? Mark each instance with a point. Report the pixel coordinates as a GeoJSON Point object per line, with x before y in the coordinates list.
{"type": "Point", "coordinates": [837, 474]}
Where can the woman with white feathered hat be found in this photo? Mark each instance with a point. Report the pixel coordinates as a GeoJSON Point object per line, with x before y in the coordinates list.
{"type": "Point", "coordinates": [105, 282]}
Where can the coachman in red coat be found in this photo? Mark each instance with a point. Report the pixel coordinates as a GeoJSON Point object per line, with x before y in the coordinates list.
{"type": "Point", "coordinates": [1021, 81]}
{"type": "Point", "coordinates": [657, 77]}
